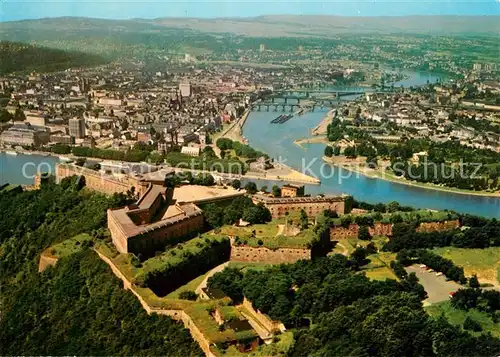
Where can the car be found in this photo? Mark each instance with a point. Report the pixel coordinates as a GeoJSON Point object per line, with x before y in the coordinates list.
{"type": "Point", "coordinates": [439, 274]}
{"type": "Point", "coordinates": [431, 271]}
{"type": "Point", "coordinates": [423, 266]}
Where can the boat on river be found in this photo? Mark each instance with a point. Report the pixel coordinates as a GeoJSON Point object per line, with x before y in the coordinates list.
{"type": "Point", "coordinates": [283, 118]}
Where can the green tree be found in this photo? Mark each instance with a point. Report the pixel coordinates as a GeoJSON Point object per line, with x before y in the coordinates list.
{"type": "Point", "coordinates": [224, 143]}
{"type": "Point", "coordinates": [392, 207]}
{"type": "Point", "coordinates": [472, 325]}
{"type": "Point", "coordinates": [328, 151]}
{"type": "Point", "coordinates": [188, 295]}
{"type": "Point", "coordinates": [251, 188]}
{"type": "Point", "coordinates": [364, 233]}
{"type": "Point", "coordinates": [474, 282]}
{"type": "Point", "coordinates": [350, 152]}
{"type": "Point", "coordinates": [336, 150]}
{"type": "Point", "coordinates": [304, 220]}
{"type": "Point", "coordinates": [236, 184]}
{"type": "Point", "coordinates": [19, 115]}
{"type": "Point", "coordinates": [359, 256]}
{"type": "Point", "coordinates": [256, 214]}
{"type": "Point", "coordinates": [276, 191]}
{"type": "Point", "coordinates": [229, 281]}
{"type": "Point", "coordinates": [5, 116]}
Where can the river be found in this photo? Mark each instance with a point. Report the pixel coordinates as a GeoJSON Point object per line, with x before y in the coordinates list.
{"type": "Point", "coordinates": [21, 169]}
{"type": "Point", "coordinates": [278, 141]}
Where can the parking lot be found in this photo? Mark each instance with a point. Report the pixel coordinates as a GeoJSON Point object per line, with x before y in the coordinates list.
{"type": "Point", "coordinates": [437, 288]}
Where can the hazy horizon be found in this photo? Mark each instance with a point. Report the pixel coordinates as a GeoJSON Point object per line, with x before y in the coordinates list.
{"type": "Point", "coordinates": [12, 10]}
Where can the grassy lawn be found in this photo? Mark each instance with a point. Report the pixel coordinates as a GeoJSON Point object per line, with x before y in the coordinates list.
{"type": "Point", "coordinates": [483, 262]}
{"type": "Point", "coordinates": [122, 261]}
{"type": "Point", "coordinates": [381, 273]}
{"type": "Point", "coordinates": [269, 230]}
{"type": "Point", "coordinates": [268, 234]}
{"type": "Point", "coordinates": [245, 266]}
{"type": "Point", "coordinates": [457, 317]}
{"type": "Point", "coordinates": [278, 348]}
{"type": "Point", "coordinates": [69, 246]}
{"type": "Point", "coordinates": [299, 241]}
{"type": "Point", "coordinates": [379, 266]}
{"type": "Point", "coordinates": [341, 248]}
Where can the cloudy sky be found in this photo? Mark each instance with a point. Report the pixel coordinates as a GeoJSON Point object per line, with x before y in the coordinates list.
{"type": "Point", "coordinates": [124, 9]}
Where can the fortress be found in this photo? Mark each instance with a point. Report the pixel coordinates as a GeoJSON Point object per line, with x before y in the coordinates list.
{"type": "Point", "coordinates": [163, 217]}
{"type": "Point", "coordinates": [160, 217]}
{"type": "Point", "coordinates": [153, 222]}
{"type": "Point", "coordinates": [313, 206]}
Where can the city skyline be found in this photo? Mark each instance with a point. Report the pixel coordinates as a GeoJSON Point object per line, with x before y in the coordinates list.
{"type": "Point", "coordinates": [12, 10]}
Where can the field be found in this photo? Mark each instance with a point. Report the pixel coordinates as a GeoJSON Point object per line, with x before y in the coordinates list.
{"type": "Point", "coordinates": [245, 266]}
{"type": "Point", "coordinates": [69, 246]}
{"type": "Point", "coordinates": [278, 348]}
{"type": "Point", "coordinates": [379, 266]}
{"type": "Point", "coordinates": [483, 262]}
{"type": "Point", "coordinates": [272, 235]}
{"type": "Point", "coordinates": [457, 317]}
{"type": "Point", "coordinates": [381, 273]}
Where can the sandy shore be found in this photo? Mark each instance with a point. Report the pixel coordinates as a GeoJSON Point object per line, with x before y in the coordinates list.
{"type": "Point", "coordinates": [235, 131]}
{"type": "Point", "coordinates": [320, 129]}
{"type": "Point", "coordinates": [284, 173]}
{"type": "Point", "coordinates": [356, 165]}
{"type": "Point", "coordinates": [321, 139]}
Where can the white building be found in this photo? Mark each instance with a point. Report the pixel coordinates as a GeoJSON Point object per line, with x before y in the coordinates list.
{"type": "Point", "coordinates": [185, 89]}
{"type": "Point", "coordinates": [190, 150]}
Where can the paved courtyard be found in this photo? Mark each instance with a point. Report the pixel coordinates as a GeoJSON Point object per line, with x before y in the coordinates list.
{"type": "Point", "coordinates": [437, 288]}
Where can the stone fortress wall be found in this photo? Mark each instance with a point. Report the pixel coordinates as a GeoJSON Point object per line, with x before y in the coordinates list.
{"type": "Point", "coordinates": [311, 205]}
{"type": "Point", "coordinates": [100, 182]}
{"type": "Point", "coordinates": [438, 226]}
{"type": "Point", "coordinates": [378, 229]}
{"type": "Point", "coordinates": [266, 255]}
{"type": "Point", "coordinates": [176, 314]}
{"type": "Point", "coordinates": [385, 229]}
{"type": "Point", "coordinates": [263, 319]}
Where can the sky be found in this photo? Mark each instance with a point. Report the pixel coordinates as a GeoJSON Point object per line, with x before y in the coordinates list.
{"type": "Point", "coordinates": [124, 9]}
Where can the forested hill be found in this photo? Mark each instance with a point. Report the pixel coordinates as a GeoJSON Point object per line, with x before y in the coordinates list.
{"type": "Point", "coordinates": [78, 307]}
{"type": "Point", "coordinates": [21, 57]}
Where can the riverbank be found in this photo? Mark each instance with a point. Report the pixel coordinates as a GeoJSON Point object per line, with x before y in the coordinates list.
{"type": "Point", "coordinates": [321, 139]}
{"type": "Point", "coordinates": [280, 173]}
{"type": "Point", "coordinates": [235, 130]}
{"type": "Point", "coordinates": [283, 173]}
{"type": "Point", "coordinates": [356, 165]}
{"type": "Point", "coordinates": [322, 127]}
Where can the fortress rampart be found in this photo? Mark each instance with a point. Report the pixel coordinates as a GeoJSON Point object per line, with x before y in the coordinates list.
{"type": "Point", "coordinates": [101, 182]}
{"type": "Point", "coordinates": [266, 255]}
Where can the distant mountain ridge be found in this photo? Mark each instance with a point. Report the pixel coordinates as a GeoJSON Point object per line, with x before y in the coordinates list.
{"type": "Point", "coordinates": [279, 25]}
